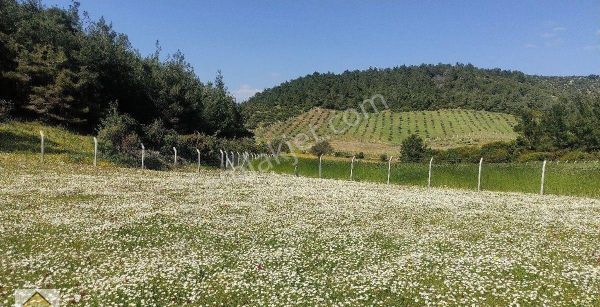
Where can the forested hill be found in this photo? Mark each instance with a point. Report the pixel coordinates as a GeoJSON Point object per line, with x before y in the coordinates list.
{"type": "Point", "coordinates": [408, 88]}
{"type": "Point", "coordinates": [60, 67]}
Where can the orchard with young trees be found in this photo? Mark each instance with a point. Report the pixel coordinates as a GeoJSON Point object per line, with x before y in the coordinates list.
{"type": "Point", "coordinates": [557, 113]}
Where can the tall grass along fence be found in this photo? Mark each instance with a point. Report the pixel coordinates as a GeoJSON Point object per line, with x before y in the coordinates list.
{"type": "Point", "coordinates": [544, 177]}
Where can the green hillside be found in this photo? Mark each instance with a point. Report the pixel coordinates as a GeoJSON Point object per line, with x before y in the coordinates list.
{"type": "Point", "coordinates": [416, 88]}
{"type": "Point", "coordinates": [384, 131]}
{"type": "Point", "coordinates": [22, 140]}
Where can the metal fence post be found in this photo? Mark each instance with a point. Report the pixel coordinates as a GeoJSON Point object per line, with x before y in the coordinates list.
{"type": "Point", "coordinates": [479, 177]}
{"type": "Point", "coordinates": [42, 146]}
{"type": "Point", "coordinates": [389, 169]}
{"type": "Point", "coordinates": [198, 151]}
{"type": "Point", "coordinates": [175, 156]}
{"type": "Point", "coordinates": [352, 168]}
{"type": "Point", "coordinates": [543, 177]}
{"type": "Point", "coordinates": [429, 178]}
{"type": "Point", "coordinates": [143, 149]}
{"type": "Point", "coordinates": [221, 158]}
{"type": "Point", "coordinates": [320, 159]}
{"type": "Point", "coordinates": [95, 151]}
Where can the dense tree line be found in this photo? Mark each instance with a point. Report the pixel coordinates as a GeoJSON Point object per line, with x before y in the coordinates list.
{"type": "Point", "coordinates": [557, 112]}
{"type": "Point", "coordinates": [58, 66]}
{"type": "Point", "coordinates": [571, 123]}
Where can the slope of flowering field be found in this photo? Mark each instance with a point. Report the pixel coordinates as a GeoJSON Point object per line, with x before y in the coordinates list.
{"type": "Point", "coordinates": [382, 132]}
{"type": "Point", "coordinates": [117, 236]}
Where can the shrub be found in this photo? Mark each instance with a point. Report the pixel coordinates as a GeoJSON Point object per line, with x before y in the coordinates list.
{"type": "Point", "coordinates": [360, 155]}
{"type": "Point", "coordinates": [535, 156]}
{"type": "Point", "coordinates": [577, 156]}
{"type": "Point", "coordinates": [117, 135]}
{"type": "Point", "coordinates": [321, 148]}
{"type": "Point", "coordinates": [383, 157]}
{"type": "Point", "coordinates": [278, 145]}
{"type": "Point", "coordinates": [498, 152]}
{"type": "Point", "coordinates": [413, 149]}
{"type": "Point", "coordinates": [6, 108]}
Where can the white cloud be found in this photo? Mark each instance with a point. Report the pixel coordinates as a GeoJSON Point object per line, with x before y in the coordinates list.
{"type": "Point", "coordinates": [530, 46]}
{"type": "Point", "coordinates": [553, 37]}
{"type": "Point", "coordinates": [548, 35]}
{"type": "Point", "coordinates": [244, 92]}
{"type": "Point", "coordinates": [592, 48]}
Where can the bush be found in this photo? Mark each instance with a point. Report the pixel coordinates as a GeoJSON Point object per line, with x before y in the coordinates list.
{"type": "Point", "coordinates": [498, 152]}
{"type": "Point", "coordinates": [383, 157]}
{"type": "Point", "coordinates": [360, 155]}
{"type": "Point", "coordinates": [536, 156]}
{"type": "Point", "coordinates": [120, 142]}
{"type": "Point", "coordinates": [413, 149]}
{"type": "Point", "coordinates": [6, 109]}
{"type": "Point", "coordinates": [577, 156]}
{"type": "Point", "coordinates": [117, 135]}
{"type": "Point", "coordinates": [278, 145]}
{"type": "Point", "coordinates": [458, 155]}
{"type": "Point", "coordinates": [321, 148]}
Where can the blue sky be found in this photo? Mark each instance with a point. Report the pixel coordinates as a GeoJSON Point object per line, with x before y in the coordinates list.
{"type": "Point", "coordinates": [259, 44]}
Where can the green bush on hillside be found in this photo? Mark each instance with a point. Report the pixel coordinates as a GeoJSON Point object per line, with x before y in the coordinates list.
{"type": "Point", "coordinates": [413, 149]}
{"type": "Point", "coordinates": [321, 148]}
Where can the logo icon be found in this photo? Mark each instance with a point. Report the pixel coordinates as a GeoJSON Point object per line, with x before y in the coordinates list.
{"type": "Point", "coordinates": [37, 298]}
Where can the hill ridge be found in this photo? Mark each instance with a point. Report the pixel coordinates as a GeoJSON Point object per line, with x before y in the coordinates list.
{"type": "Point", "coordinates": [415, 88]}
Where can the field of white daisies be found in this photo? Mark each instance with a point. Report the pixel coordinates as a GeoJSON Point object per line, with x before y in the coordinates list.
{"type": "Point", "coordinates": [119, 236]}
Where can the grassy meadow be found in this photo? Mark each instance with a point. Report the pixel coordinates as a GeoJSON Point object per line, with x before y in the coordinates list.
{"type": "Point", "coordinates": [115, 236]}
{"type": "Point", "coordinates": [577, 179]}
{"type": "Point", "coordinates": [60, 145]}
{"type": "Point", "coordinates": [122, 236]}
{"type": "Point", "coordinates": [383, 132]}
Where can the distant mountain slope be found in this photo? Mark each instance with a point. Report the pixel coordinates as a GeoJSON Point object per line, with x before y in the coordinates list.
{"type": "Point", "coordinates": [383, 132]}
{"type": "Point", "coordinates": [409, 88]}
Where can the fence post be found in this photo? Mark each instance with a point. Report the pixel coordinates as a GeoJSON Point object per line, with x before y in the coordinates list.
{"type": "Point", "coordinates": [352, 167]}
{"type": "Point", "coordinates": [143, 149]}
{"type": "Point", "coordinates": [221, 150]}
{"type": "Point", "coordinates": [42, 146]}
{"type": "Point", "coordinates": [95, 151]}
{"type": "Point", "coordinates": [238, 160]}
{"type": "Point", "coordinates": [320, 158]}
{"type": "Point", "coordinates": [429, 178]}
{"type": "Point", "coordinates": [232, 162]}
{"type": "Point", "coordinates": [543, 177]}
{"type": "Point", "coordinates": [389, 169]}
{"type": "Point", "coordinates": [479, 177]}
{"type": "Point", "coordinates": [175, 156]}
{"type": "Point", "coordinates": [296, 169]}
{"type": "Point", "coordinates": [227, 161]}
{"type": "Point", "coordinates": [198, 151]}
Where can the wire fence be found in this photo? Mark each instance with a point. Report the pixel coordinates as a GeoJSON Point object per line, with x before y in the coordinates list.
{"type": "Point", "coordinates": [577, 178]}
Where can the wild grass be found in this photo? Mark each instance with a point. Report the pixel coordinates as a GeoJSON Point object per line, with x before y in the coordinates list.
{"type": "Point", "coordinates": [128, 237]}
{"type": "Point", "coordinates": [575, 179]}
